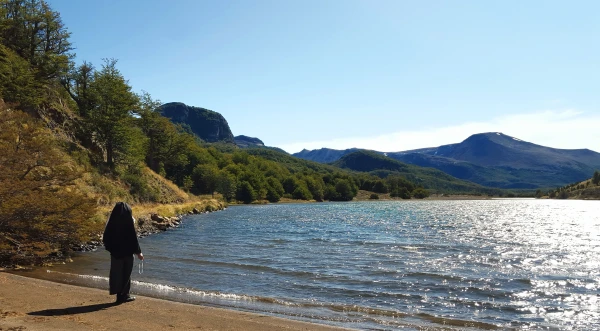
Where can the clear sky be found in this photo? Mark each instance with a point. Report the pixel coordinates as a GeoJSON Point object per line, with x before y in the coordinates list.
{"type": "Point", "coordinates": [383, 75]}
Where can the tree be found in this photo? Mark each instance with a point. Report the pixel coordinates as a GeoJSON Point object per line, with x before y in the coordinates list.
{"type": "Point", "coordinates": [41, 210]}
{"type": "Point", "coordinates": [226, 185]}
{"type": "Point", "coordinates": [155, 127]}
{"type": "Point", "coordinates": [169, 150]}
{"type": "Point", "coordinates": [36, 33]}
{"type": "Point", "coordinates": [563, 194]}
{"type": "Point", "coordinates": [302, 193]}
{"type": "Point", "coordinates": [17, 80]}
{"type": "Point", "coordinates": [315, 187]}
{"type": "Point", "coordinates": [274, 190]}
{"type": "Point", "coordinates": [420, 193]}
{"type": "Point", "coordinates": [400, 192]}
{"type": "Point", "coordinates": [596, 178]}
{"type": "Point", "coordinates": [330, 193]}
{"type": "Point", "coordinates": [396, 182]}
{"type": "Point", "coordinates": [205, 178]}
{"type": "Point", "coordinates": [290, 184]}
{"type": "Point", "coordinates": [245, 192]}
{"type": "Point", "coordinates": [77, 83]}
{"type": "Point", "coordinates": [380, 187]}
{"type": "Point", "coordinates": [345, 189]}
{"type": "Point", "coordinates": [110, 116]}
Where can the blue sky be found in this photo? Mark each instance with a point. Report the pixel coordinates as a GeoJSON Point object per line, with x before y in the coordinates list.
{"type": "Point", "coordinates": [384, 75]}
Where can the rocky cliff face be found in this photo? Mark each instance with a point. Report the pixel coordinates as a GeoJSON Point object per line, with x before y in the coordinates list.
{"type": "Point", "coordinates": [209, 125]}
{"type": "Point", "coordinates": [245, 141]}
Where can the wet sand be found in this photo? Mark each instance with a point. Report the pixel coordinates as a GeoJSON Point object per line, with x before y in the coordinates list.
{"type": "Point", "coordinates": [34, 304]}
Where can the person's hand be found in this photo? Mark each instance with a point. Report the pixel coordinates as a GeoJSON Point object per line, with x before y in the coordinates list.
{"type": "Point", "coordinates": [140, 256]}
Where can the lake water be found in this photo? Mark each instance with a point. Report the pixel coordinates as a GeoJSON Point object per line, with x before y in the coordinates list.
{"type": "Point", "coordinates": [487, 264]}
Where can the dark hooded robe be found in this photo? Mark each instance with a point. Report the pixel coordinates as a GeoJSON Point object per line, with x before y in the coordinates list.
{"type": "Point", "coordinates": [120, 239]}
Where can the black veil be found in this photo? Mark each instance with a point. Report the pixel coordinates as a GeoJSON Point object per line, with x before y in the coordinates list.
{"type": "Point", "coordinates": [120, 238]}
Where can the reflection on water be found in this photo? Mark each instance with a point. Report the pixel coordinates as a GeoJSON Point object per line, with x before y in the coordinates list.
{"type": "Point", "coordinates": [524, 264]}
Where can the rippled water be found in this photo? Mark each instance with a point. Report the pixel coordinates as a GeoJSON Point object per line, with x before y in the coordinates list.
{"type": "Point", "coordinates": [522, 264]}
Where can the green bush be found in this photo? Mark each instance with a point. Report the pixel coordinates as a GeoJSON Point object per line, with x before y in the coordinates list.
{"type": "Point", "coordinates": [302, 193]}
{"type": "Point", "coordinates": [400, 192]}
{"type": "Point", "coordinates": [420, 193]}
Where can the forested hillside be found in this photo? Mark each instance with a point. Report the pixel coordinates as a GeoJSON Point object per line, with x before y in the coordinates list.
{"type": "Point", "coordinates": [586, 190]}
{"type": "Point", "coordinates": [432, 179]}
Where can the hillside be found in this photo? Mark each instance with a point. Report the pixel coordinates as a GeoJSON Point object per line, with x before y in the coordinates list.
{"type": "Point", "coordinates": [429, 178]}
{"type": "Point", "coordinates": [584, 190]}
{"type": "Point", "coordinates": [324, 155]}
{"type": "Point", "coordinates": [495, 160]}
{"type": "Point", "coordinates": [209, 125]}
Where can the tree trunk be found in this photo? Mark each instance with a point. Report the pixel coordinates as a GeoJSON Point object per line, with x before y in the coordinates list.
{"type": "Point", "coordinates": [109, 156]}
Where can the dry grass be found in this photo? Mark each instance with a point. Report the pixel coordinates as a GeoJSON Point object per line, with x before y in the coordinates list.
{"type": "Point", "coordinates": [168, 210]}
{"type": "Point", "coordinates": [168, 191]}
{"type": "Point", "coordinates": [173, 200]}
{"type": "Point", "coordinates": [589, 192]}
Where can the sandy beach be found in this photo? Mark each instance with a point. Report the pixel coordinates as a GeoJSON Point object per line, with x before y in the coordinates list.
{"type": "Point", "coordinates": [34, 304]}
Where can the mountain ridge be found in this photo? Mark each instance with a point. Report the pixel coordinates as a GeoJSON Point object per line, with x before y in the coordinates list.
{"type": "Point", "coordinates": [494, 159]}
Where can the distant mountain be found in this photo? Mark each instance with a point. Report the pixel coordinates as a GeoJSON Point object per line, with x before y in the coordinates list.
{"type": "Point", "coordinates": [499, 150]}
{"type": "Point", "coordinates": [209, 125]}
{"type": "Point", "coordinates": [497, 160]}
{"type": "Point", "coordinates": [245, 141]}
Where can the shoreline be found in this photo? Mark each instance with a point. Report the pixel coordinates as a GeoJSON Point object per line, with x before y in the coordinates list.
{"type": "Point", "coordinates": [34, 304]}
{"type": "Point", "coordinates": [151, 219]}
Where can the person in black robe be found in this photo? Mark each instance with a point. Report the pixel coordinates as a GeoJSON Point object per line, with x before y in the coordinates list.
{"type": "Point", "coordinates": [120, 239]}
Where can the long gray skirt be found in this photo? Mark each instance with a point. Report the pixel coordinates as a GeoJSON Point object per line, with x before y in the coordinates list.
{"type": "Point", "coordinates": [119, 281]}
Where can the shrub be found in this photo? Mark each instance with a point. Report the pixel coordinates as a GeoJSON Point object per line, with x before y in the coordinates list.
{"type": "Point", "coordinates": [420, 193]}
{"type": "Point", "coordinates": [400, 192]}
{"type": "Point", "coordinates": [245, 192]}
{"type": "Point", "coordinates": [596, 178]}
{"type": "Point", "coordinates": [563, 194]}
{"type": "Point", "coordinates": [374, 196]}
{"type": "Point", "coordinates": [302, 193]}
{"type": "Point", "coordinates": [42, 210]}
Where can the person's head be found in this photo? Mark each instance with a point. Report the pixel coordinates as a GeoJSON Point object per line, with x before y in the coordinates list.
{"type": "Point", "coordinates": [121, 219]}
{"type": "Point", "coordinates": [121, 210]}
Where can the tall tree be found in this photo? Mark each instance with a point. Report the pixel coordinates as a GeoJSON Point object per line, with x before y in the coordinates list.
{"type": "Point", "coordinates": [226, 185]}
{"type": "Point", "coordinates": [36, 33]}
{"type": "Point", "coordinates": [77, 83]}
{"type": "Point", "coordinates": [17, 80]}
{"type": "Point", "coordinates": [205, 177]}
{"type": "Point", "coordinates": [110, 116]}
